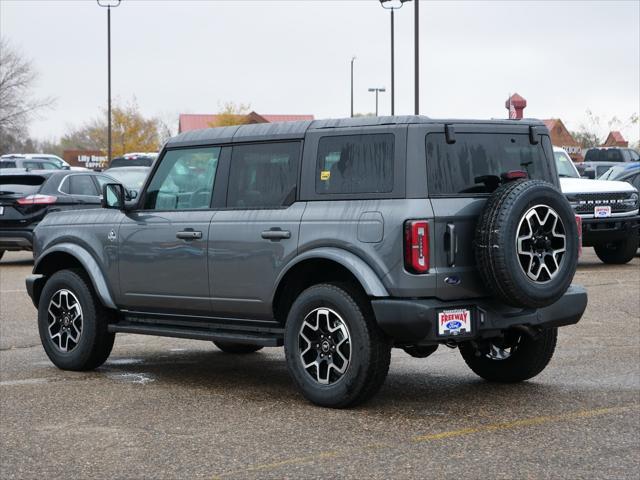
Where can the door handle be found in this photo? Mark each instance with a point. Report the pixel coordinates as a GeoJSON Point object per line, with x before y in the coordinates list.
{"type": "Point", "coordinates": [451, 244]}
{"type": "Point", "coordinates": [276, 234]}
{"type": "Point", "coordinates": [189, 235]}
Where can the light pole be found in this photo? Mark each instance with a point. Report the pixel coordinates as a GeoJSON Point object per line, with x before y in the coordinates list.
{"type": "Point", "coordinates": [389, 5]}
{"type": "Point", "coordinates": [108, 4]}
{"type": "Point", "coordinates": [352, 60]}
{"type": "Point", "coordinates": [416, 48]}
{"type": "Point", "coordinates": [377, 90]}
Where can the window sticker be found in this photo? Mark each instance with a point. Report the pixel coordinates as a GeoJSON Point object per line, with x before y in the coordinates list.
{"type": "Point", "coordinates": [325, 175]}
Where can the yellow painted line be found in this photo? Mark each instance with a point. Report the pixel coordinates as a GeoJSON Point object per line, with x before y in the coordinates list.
{"type": "Point", "coordinates": [524, 422]}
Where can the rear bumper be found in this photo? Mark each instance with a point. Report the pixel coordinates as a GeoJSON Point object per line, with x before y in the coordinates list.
{"type": "Point", "coordinates": [11, 239]}
{"type": "Point", "coordinates": [602, 230]}
{"type": "Point", "coordinates": [415, 320]}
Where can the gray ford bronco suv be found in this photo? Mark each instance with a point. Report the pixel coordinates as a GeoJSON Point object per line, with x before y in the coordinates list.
{"type": "Point", "coordinates": [337, 239]}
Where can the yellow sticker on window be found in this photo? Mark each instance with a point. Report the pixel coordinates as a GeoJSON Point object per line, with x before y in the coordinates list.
{"type": "Point", "coordinates": [325, 175]}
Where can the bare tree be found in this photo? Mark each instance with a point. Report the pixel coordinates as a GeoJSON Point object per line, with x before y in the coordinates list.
{"type": "Point", "coordinates": [17, 103]}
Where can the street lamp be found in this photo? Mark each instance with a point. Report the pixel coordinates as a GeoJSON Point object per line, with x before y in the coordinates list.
{"type": "Point", "coordinates": [392, 6]}
{"type": "Point", "coordinates": [108, 4]}
{"type": "Point", "coordinates": [416, 34]}
{"type": "Point", "coordinates": [352, 60]}
{"type": "Point", "coordinates": [377, 90]}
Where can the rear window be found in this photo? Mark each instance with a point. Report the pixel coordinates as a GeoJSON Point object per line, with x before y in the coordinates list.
{"type": "Point", "coordinates": [355, 164]}
{"type": "Point", "coordinates": [131, 162]}
{"type": "Point", "coordinates": [605, 155]}
{"type": "Point", "coordinates": [459, 168]}
{"type": "Point", "coordinates": [22, 184]}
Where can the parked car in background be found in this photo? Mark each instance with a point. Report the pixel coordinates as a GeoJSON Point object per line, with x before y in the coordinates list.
{"type": "Point", "coordinates": [41, 157]}
{"type": "Point", "coordinates": [29, 163]}
{"type": "Point", "coordinates": [598, 160]}
{"type": "Point", "coordinates": [628, 172]}
{"type": "Point", "coordinates": [608, 209]}
{"type": "Point", "coordinates": [131, 177]}
{"type": "Point", "coordinates": [134, 160]}
{"type": "Point", "coordinates": [26, 197]}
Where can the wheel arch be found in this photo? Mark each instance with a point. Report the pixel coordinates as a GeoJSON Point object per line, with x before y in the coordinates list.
{"type": "Point", "coordinates": [321, 266]}
{"type": "Point", "coordinates": [64, 256]}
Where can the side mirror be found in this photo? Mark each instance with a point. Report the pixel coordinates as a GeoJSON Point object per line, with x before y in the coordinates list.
{"type": "Point", "coordinates": [113, 196]}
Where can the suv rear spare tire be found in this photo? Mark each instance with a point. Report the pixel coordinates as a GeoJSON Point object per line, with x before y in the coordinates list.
{"type": "Point", "coordinates": [526, 244]}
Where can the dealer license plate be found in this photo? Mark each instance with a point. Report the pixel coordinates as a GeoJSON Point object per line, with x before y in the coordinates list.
{"type": "Point", "coordinates": [454, 322]}
{"type": "Point", "coordinates": [602, 211]}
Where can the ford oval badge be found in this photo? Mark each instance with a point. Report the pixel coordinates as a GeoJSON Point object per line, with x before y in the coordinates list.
{"type": "Point", "coordinates": [452, 280]}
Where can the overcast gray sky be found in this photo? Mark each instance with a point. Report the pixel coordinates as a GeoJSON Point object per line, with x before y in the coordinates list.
{"type": "Point", "coordinates": [293, 57]}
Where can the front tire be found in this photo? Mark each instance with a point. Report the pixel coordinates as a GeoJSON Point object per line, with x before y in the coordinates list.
{"type": "Point", "coordinates": [335, 352]}
{"type": "Point", "coordinates": [620, 252]}
{"type": "Point", "coordinates": [237, 348]}
{"type": "Point", "coordinates": [515, 358]}
{"type": "Point", "coordinates": [72, 323]}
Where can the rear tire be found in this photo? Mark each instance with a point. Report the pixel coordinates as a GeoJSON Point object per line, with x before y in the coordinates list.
{"type": "Point", "coordinates": [69, 309]}
{"type": "Point", "coordinates": [620, 252]}
{"type": "Point", "coordinates": [526, 359]}
{"type": "Point", "coordinates": [335, 351]}
{"type": "Point", "coordinates": [237, 348]}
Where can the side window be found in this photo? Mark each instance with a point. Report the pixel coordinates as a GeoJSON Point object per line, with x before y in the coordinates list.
{"type": "Point", "coordinates": [7, 164]}
{"type": "Point", "coordinates": [263, 175]}
{"type": "Point", "coordinates": [81, 185]}
{"type": "Point", "coordinates": [102, 181]}
{"type": "Point", "coordinates": [634, 155]}
{"type": "Point", "coordinates": [355, 164]}
{"type": "Point", "coordinates": [184, 180]}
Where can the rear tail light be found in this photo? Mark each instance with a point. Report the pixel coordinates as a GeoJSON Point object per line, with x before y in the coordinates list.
{"type": "Point", "coordinates": [579, 224]}
{"type": "Point", "coordinates": [416, 246]}
{"type": "Point", "coordinates": [37, 199]}
{"type": "Point", "coordinates": [514, 175]}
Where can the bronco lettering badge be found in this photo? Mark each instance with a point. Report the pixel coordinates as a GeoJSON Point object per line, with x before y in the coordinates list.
{"type": "Point", "coordinates": [454, 322]}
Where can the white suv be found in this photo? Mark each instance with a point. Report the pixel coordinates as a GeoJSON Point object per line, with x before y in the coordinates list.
{"type": "Point", "coordinates": [608, 209]}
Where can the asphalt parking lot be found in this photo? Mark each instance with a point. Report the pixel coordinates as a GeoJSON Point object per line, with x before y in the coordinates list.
{"type": "Point", "coordinates": [170, 408]}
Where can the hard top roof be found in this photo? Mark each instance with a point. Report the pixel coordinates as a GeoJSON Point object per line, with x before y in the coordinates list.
{"type": "Point", "coordinates": [296, 130]}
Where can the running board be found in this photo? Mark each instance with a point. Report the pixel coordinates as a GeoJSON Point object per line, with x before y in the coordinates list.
{"type": "Point", "coordinates": [272, 338]}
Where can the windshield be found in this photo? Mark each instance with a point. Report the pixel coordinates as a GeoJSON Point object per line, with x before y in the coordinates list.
{"type": "Point", "coordinates": [565, 166]}
{"type": "Point", "coordinates": [132, 179]}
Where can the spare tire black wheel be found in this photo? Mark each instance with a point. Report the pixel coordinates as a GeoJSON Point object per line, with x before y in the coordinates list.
{"type": "Point", "coordinates": [526, 244]}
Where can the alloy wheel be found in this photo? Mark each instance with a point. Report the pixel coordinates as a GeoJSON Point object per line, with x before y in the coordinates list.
{"type": "Point", "coordinates": [65, 320]}
{"type": "Point", "coordinates": [541, 243]}
{"type": "Point", "coordinates": [324, 345]}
